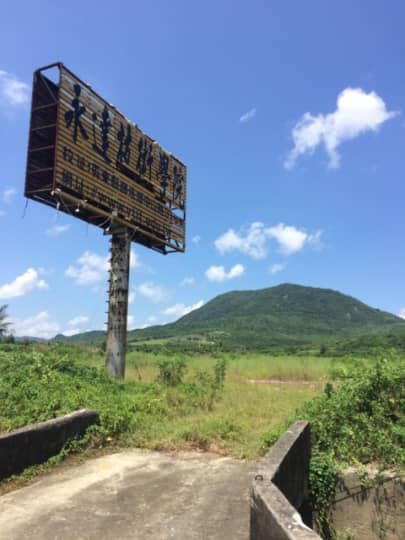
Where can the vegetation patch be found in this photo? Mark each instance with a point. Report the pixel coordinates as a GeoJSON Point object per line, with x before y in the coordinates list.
{"type": "Point", "coordinates": [210, 401]}
{"type": "Point", "coordinates": [358, 421]}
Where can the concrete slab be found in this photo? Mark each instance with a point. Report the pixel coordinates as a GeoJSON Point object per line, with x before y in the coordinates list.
{"type": "Point", "coordinates": [134, 495]}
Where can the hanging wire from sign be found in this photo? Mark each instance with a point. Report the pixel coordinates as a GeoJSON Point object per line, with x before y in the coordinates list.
{"type": "Point", "coordinates": [25, 209]}
{"type": "Point", "coordinates": [60, 201]}
{"type": "Point", "coordinates": [109, 220]}
{"type": "Point", "coordinates": [56, 215]}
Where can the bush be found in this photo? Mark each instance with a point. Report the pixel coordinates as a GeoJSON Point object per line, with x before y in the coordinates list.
{"type": "Point", "coordinates": [171, 372]}
{"type": "Point", "coordinates": [362, 419]}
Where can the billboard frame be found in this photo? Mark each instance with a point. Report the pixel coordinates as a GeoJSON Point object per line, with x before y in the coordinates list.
{"type": "Point", "coordinates": [152, 220]}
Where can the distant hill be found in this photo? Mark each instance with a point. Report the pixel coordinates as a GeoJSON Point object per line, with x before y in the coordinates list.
{"type": "Point", "coordinates": [95, 336]}
{"type": "Point", "coordinates": [278, 316]}
{"type": "Point", "coordinates": [275, 317]}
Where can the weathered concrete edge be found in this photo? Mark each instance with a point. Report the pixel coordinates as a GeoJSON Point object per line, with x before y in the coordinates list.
{"type": "Point", "coordinates": [35, 443]}
{"type": "Point", "coordinates": [280, 487]}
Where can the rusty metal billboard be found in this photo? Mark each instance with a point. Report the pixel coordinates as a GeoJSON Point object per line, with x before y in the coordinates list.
{"type": "Point", "coordinates": [88, 160]}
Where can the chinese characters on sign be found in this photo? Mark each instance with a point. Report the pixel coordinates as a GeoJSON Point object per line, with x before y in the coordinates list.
{"type": "Point", "coordinates": [104, 164]}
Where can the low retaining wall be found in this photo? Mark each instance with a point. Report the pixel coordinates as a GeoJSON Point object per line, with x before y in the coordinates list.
{"type": "Point", "coordinates": [36, 443]}
{"type": "Point", "coordinates": [372, 508]}
{"type": "Point", "coordinates": [280, 489]}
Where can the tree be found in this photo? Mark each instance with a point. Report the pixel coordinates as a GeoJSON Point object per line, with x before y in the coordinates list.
{"type": "Point", "coordinates": [3, 320]}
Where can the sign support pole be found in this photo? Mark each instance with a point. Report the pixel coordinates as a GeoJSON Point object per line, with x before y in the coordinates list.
{"type": "Point", "coordinates": [116, 342]}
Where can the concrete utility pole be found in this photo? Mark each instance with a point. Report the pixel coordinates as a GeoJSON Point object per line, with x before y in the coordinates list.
{"type": "Point", "coordinates": [116, 343]}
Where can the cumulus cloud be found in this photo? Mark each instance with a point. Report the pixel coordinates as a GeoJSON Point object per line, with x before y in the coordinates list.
{"type": "Point", "coordinates": [290, 239]}
{"type": "Point", "coordinates": [219, 274]}
{"type": "Point", "coordinates": [276, 267]}
{"type": "Point", "coordinates": [56, 230]}
{"type": "Point", "coordinates": [78, 320]}
{"type": "Point", "coordinates": [187, 281]}
{"type": "Point", "coordinates": [179, 310]}
{"type": "Point", "coordinates": [12, 91]}
{"type": "Point", "coordinates": [253, 240]}
{"type": "Point", "coordinates": [71, 331]}
{"type": "Point", "coordinates": [130, 322]}
{"type": "Point", "coordinates": [152, 292]}
{"type": "Point", "coordinates": [40, 325]}
{"type": "Point", "coordinates": [134, 262]}
{"type": "Point", "coordinates": [248, 116]}
{"type": "Point", "coordinates": [91, 269]}
{"type": "Point", "coordinates": [8, 195]}
{"type": "Point", "coordinates": [402, 313]}
{"type": "Point", "coordinates": [356, 113]}
{"type": "Point", "coordinates": [23, 284]}
{"type": "Point", "coordinates": [196, 239]}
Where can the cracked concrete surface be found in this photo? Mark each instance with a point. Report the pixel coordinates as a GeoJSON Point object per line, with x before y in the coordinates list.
{"type": "Point", "coordinates": [134, 495]}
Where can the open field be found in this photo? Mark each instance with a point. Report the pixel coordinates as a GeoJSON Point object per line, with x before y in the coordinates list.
{"type": "Point", "coordinates": [260, 393]}
{"type": "Point", "coordinates": [234, 404]}
{"type": "Point", "coordinates": [230, 420]}
{"type": "Point", "coordinates": [228, 403]}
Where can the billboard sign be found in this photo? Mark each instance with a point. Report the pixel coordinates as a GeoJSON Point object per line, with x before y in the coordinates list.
{"type": "Point", "coordinates": [87, 159]}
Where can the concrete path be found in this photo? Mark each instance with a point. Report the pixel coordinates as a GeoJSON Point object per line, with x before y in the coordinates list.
{"type": "Point", "coordinates": [134, 495]}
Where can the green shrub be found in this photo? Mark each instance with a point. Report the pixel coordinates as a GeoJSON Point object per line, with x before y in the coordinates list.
{"type": "Point", "coordinates": [362, 418]}
{"type": "Point", "coordinates": [171, 371]}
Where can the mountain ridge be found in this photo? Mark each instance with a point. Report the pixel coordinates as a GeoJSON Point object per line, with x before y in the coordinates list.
{"type": "Point", "coordinates": [286, 314]}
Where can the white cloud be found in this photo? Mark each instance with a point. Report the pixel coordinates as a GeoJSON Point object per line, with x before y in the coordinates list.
{"type": "Point", "coordinates": [78, 320]}
{"type": "Point", "coordinates": [196, 239]}
{"type": "Point", "coordinates": [218, 273]}
{"type": "Point", "coordinates": [92, 269]}
{"type": "Point", "coordinates": [9, 194]}
{"type": "Point", "coordinates": [130, 322]}
{"type": "Point", "coordinates": [23, 284]}
{"type": "Point", "coordinates": [134, 262]}
{"type": "Point", "coordinates": [356, 113]}
{"type": "Point", "coordinates": [152, 319]}
{"type": "Point", "coordinates": [152, 292]}
{"type": "Point", "coordinates": [131, 297]}
{"type": "Point", "coordinates": [179, 310]}
{"type": "Point", "coordinates": [72, 331]}
{"type": "Point", "coordinates": [187, 281]}
{"type": "Point", "coordinates": [276, 267]}
{"type": "Point", "coordinates": [56, 230]}
{"type": "Point", "coordinates": [402, 313]}
{"type": "Point", "coordinates": [253, 241]}
{"type": "Point", "coordinates": [40, 325]}
{"type": "Point", "coordinates": [291, 239]}
{"type": "Point", "coordinates": [13, 91]}
{"type": "Point", "coordinates": [248, 116]}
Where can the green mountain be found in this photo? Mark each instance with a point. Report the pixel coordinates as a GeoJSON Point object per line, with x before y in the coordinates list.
{"type": "Point", "coordinates": [93, 336]}
{"type": "Point", "coordinates": [285, 315]}
{"type": "Point", "coordinates": [278, 316]}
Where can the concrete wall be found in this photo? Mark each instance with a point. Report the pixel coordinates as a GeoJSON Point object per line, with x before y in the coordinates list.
{"type": "Point", "coordinates": [280, 489]}
{"type": "Point", "coordinates": [36, 443]}
{"type": "Point", "coordinates": [370, 510]}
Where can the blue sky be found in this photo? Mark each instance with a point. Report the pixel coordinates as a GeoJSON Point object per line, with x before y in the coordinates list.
{"type": "Point", "coordinates": [289, 116]}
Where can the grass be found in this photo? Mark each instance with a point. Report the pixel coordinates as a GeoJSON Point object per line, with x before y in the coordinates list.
{"type": "Point", "coordinates": [261, 393]}
{"type": "Point", "coordinates": [356, 406]}
{"type": "Point", "coordinates": [40, 381]}
{"type": "Point", "coordinates": [240, 367]}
